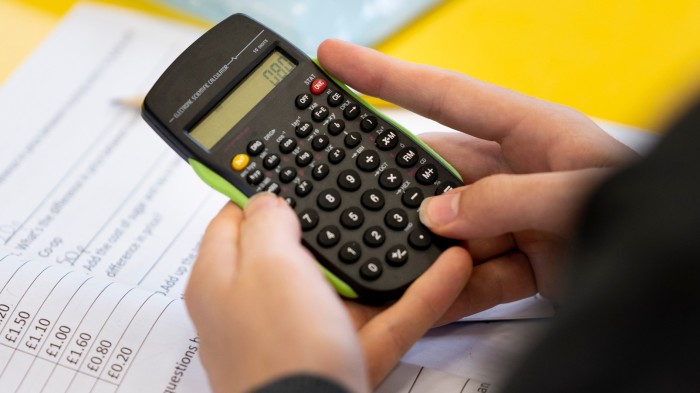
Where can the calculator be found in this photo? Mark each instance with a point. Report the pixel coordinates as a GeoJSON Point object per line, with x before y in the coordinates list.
{"type": "Point", "coordinates": [252, 113]}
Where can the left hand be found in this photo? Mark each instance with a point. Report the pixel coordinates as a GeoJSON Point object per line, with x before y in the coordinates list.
{"type": "Point", "coordinates": [263, 309]}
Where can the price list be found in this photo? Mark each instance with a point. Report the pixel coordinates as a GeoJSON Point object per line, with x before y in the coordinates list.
{"type": "Point", "coordinates": [66, 331]}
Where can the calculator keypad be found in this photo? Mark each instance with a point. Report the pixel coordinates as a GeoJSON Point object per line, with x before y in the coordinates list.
{"type": "Point", "coordinates": [356, 183]}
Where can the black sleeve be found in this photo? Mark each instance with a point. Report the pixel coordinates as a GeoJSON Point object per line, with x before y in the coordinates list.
{"type": "Point", "coordinates": [301, 383]}
{"type": "Point", "coordinates": [631, 321]}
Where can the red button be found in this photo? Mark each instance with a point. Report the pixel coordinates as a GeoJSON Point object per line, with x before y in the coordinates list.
{"type": "Point", "coordinates": [318, 86]}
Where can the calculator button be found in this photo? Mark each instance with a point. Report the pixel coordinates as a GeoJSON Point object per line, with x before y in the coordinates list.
{"type": "Point", "coordinates": [371, 270]}
{"type": "Point", "coordinates": [350, 252]}
{"type": "Point", "coordinates": [412, 197]}
{"type": "Point", "coordinates": [255, 177]}
{"type": "Point", "coordinates": [273, 188]}
{"type": "Point", "coordinates": [320, 171]}
{"type": "Point", "coordinates": [387, 140]}
{"type": "Point", "coordinates": [445, 186]}
{"type": "Point", "coordinates": [427, 174]}
{"type": "Point", "coordinates": [309, 219]}
{"type": "Point", "coordinates": [407, 157]}
{"type": "Point", "coordinates": [320, 113]}
{"type": "Point", "coordinates": [303, 188]}
{"type": "Point", "coordinates": [303, 101]}
{"type": "Point", "coordinates": [336, 155]}
{"type": "Point", "coordinates": [255, 147]}
{"type": "Point", "coordinates": [397, 256]}
{"type": "Point", "coordinates": [329, 199]}
{"type": "Point", "coordinates": [396, 219]}
{"type": "Point", "coordinates": [349, 180]}
{"type": "Point", "coordinates": [336, 126]}
{"type": "Point", "coordinates": [353, 139]}
{"type": "Point", "coordinates": [291, 201]}
{"type": "Point", "coordinates": [390, 179]}
{"type": "Point", "coordinates": [420, 238]}
{"type": "Point", "coordinates": [372, 199]}
{"type": "Point", "coordinates": [240, 161]}
{"type": "Point", "coordinates": [329, 236]}
{"type": "Point", "coordinates": [271, 161]}
{"type": "Point", "coordinates": [335, 99]}
{"type": "Point", "coordinates": [374, 236]}
{"type": "Point", "coordinates": [351, 111]}
{"type": "Point", "coordinates": [304, 158]}
{"type": "Point", "coordinates": [352, 217]}
{"type": "Point", "coordinates": [287, 145]}
{"type": "Point", "coordinates": [304, 129]}
{"type": "Point", "coordinates": [318, 86]}
{"type": "Point", "coordinates": [368, 160]}
{"type": "Point", "coordinates": [368, 124]}
{"type": "Point", "coordinates": [288, 174]}
{"type": "Point", "coordinates": [320, 142]}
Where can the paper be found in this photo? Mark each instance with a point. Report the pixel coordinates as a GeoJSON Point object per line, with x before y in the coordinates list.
{"type": "Point", "coordinates": [106, 220]}
{"type": "Point", "coordinates": [84, 182]}
{"type": "Point", "coordinates": [67, 331]}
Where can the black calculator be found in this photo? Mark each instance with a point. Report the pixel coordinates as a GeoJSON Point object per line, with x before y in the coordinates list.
{"type": "Point", "coordinates": [251, 113]}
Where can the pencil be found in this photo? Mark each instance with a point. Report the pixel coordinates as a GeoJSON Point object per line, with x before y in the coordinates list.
{"type": "Point", "coordinates": [130, 102]}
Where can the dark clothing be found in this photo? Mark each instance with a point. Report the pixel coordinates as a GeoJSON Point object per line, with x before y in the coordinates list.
{"type": "Point", "coordinates": [301, 383]}
{"type": "Point", "coordinates": [631, 322]}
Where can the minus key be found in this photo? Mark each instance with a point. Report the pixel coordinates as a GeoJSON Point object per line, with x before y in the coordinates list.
{"type": "Point", "coordinates": [412, 197]}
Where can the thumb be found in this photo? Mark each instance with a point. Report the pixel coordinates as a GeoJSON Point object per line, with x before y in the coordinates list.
{"type": "Point", "coordinates": [505, 203]}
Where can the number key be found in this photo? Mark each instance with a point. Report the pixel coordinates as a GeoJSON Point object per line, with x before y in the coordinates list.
{"type": "Point", "coordinates": [372, 199]}
{"type": "Point", "coordinates": [396, 219]}
{"type": "Point", "coordinates": [371, 270]}
{"type": "Point", "coordinates": [328, 236]}
{"type": "Point", "coordinates": [374, 236]}
{"type": "Point", "coordinates": [352, 217]}
{"type": "Point", "coordinates": [350, 252]}
{"type": "Point", "coordinates": [328, 199]}
{"type": "Point", "coordinates": [309, 219]}
{"type": "Point", "coordinates": [349, 180]}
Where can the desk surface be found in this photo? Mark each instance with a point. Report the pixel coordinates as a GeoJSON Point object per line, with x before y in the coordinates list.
{"type": "Point", "coordinates": [625, 61]}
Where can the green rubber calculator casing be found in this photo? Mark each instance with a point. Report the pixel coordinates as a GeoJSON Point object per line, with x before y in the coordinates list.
{"type": "Point", "coordinates": [250, 112]}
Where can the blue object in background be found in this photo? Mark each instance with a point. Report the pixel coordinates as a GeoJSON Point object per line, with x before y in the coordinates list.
{"type": "Point", "coordinates": [307, 23]}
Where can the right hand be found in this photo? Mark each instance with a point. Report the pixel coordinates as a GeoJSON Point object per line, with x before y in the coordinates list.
{"type": "Point", "coordinates": [530, 165]}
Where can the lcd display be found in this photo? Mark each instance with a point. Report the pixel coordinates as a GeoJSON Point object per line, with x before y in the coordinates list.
{"type": "Point", "coordinates": [244, 97]}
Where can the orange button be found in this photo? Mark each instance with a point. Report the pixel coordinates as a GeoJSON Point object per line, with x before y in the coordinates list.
{"type": "Point", "coordinates": [240, 161]}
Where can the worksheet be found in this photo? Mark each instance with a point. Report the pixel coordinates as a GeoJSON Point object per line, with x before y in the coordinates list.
{"type": "Point", "coordinates": [66, 331]}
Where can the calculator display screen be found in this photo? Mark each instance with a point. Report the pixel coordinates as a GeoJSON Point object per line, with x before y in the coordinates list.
{"type": "Point", "coordinates": [242, 99]}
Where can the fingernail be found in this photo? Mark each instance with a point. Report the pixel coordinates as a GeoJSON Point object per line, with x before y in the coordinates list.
{"type": "Point", "coordinates": [260, 201]}
{"type": "Point", "coordinates": [439, 210]}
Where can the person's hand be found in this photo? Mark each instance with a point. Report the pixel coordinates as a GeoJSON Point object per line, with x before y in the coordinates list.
{"type": "Point", "coordinates": [261, 306]}
{"type": "Point", "coordinates": [530, 165]}
{"type": "Point", "coordinates": [263, 309]}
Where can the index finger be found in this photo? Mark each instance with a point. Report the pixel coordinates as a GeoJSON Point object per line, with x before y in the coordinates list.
{"type": "Point", "coordinates": [436, 93]}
